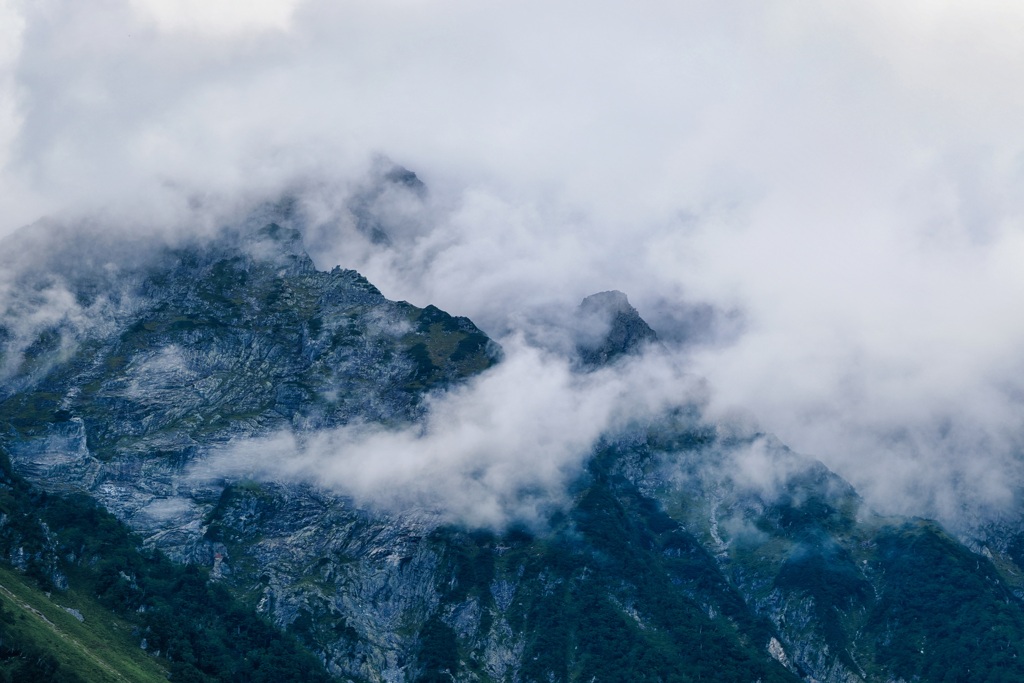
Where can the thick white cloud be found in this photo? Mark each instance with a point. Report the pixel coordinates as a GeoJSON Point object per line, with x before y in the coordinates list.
{"type": "Point", "coordinates": [848, 175]}
{"type": "Point", "coordinates": [503, 448]}
{"type": "Point", "coordinates": [217, 18]}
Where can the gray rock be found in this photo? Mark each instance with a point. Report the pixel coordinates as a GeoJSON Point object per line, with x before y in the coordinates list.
{"type": "Point", "coordinates": [608, 328]}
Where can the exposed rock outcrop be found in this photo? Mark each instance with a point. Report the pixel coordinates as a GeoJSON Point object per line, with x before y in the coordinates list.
{"type": "Point", "coordinates": [608, 328]}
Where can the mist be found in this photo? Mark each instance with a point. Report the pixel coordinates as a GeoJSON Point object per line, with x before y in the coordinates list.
{"type": "Point", "coordinates": [820, 207]}
{"type": "Point", "coordinates": [503, 449]}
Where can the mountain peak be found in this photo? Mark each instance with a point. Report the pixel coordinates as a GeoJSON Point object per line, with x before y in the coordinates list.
{"type": "Point", "coordinates": [609, 327]}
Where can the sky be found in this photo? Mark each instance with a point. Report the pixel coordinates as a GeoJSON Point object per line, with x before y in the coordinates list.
{"type": "Point", "coordinates": [840, 181]}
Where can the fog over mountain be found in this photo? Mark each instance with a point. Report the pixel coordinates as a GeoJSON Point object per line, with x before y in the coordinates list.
{"type": "Point", "coordinates": [817, 208]}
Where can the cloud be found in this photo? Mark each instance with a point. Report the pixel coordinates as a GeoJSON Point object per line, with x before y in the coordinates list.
{"type": "Point", "coordinates": [502, 449]}
{"type": "Point", "coordinates": [46, 303]}
{"type": "Point", "coordinates": [841, 183]}
{"type": "Point", "coordinates": [217, 18]}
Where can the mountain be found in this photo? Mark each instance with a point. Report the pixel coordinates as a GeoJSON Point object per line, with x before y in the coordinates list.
{"type": "Point", "coordinates": [609, 327]}
{"type": "Point", "coordinates": [685, 549]}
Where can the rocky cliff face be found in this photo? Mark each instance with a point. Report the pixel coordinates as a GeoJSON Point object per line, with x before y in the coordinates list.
{"type": "Point", "coordinates": [688, 551]}
{"type": "Point", "coordinates": [608, 328]}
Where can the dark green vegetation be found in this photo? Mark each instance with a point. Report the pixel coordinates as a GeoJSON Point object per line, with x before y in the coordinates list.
{"type": "Point", "coordinates": [442, 343]}
{"type": "Point", "coordinates": [620, 590]}
{"type": "Point", "coordinates": [613, 593]}
{"type": "Point", "coordinates": [890, 598]}
{"type": "Point", "coordinates": [40, 640]}
{"type": "Point", "coordinates": [80, 554]}
{"type": "Point", "coordinates": [955, 620]}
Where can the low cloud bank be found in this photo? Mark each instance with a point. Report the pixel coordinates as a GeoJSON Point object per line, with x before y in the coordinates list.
{"type": "Point", "coordinates": [504, 448]}
{"type": "Point", "coordinates": [890, 355]}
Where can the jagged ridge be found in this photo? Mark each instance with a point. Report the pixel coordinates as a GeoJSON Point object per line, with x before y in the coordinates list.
{"type": "Point", "coordinates": [667, 566]}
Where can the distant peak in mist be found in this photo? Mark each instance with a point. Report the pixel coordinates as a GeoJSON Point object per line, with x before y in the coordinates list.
{"type": "Point", "coordinates": [609, 327]}
{"type": "Point", "coordinates": [399, 175]}
{"type": "Point", "coordinates": [390, 184]}
{"type": "Point", "coordinates": [612, 300]}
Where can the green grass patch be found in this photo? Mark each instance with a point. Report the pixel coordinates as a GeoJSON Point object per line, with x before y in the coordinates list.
{"type": "Point", "coordinates": [100, 648]}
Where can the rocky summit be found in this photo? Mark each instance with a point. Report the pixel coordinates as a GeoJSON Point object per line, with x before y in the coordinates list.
{"type": "Point", "coordinates": [687, 550]}
{"type": "Point", "coordinates": [609, 327]}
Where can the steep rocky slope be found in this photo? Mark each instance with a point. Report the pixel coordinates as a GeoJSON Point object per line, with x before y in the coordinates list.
{"type": "Point", "coordinates": [687, 551]}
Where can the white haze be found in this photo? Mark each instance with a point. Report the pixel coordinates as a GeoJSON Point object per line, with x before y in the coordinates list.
{"type": "Point", "coordinates": [502, 449]}
{"type": "Point", "coordinates": [846, 176]}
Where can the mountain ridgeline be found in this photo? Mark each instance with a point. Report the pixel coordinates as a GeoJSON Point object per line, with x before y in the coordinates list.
{"type": "Point", "coordinates": [665, 565]}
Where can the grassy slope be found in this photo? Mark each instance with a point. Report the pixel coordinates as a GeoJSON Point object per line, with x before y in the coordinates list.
{"type": "Point", "coordinates": [101, 648]}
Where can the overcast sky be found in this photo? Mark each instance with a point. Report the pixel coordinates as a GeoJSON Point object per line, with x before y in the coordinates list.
{"type": "Point", "coordinates": [847, 176]}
